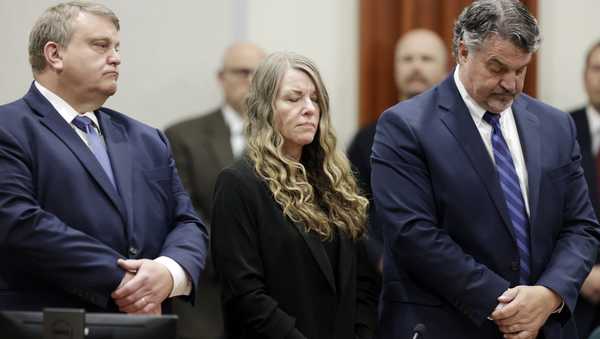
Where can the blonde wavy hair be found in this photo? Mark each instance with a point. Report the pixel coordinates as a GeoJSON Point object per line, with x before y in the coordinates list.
{"type": "Point", "coordinates": [320, 190]}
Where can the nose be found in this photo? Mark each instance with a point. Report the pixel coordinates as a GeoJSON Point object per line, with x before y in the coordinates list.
{"type": "Point", "coordinates": [114, 58]}
{"type": "Point", "coordinates": [310, 107]}
{"type": "Point", "coordinates": [509, 82]}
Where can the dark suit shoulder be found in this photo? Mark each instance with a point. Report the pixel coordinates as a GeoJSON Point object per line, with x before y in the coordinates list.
{"type": "Point", "coordinates": [127, 121]}
{"type": "Point", "coordinates": [538, 107]}
{"type": "Point", "coordinates": [199, 124]}
{"type": "Point", "coordinates": [14, 113]}
{"type": "Point", "coordinates": [242, 173]}
{"type": "Point", "coordinates": [578, 111]}
{"type": "Point", "coordinates": [418, 110]}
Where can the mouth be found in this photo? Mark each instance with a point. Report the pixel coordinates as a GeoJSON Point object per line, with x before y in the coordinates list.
{"type": "Point", "coordinates": [112, 73]}
{"type": "Point", "coordinates": [308, 125]}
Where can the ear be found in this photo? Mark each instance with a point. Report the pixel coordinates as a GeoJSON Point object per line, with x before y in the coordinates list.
{"type": "Point", "coordinates": [53, 55]}
{"type": "Point", "coordinates": [463, 53]}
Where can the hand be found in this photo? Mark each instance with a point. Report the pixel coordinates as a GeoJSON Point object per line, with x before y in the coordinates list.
{"type": "Point", "coordinates": [525, 310]}
{"type": "Point", "coordinates": [591, 286]}
{"type": "Point", "coordinates": [146, 290]}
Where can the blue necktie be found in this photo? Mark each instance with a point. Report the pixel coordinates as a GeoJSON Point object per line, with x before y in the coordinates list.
{"type": "Point", "coordinates": [509, 181]}
{"type": "Point", "coordinates": [96, 145]}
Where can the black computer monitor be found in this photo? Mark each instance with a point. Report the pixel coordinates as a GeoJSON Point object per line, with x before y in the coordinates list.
{"type": "Point", "coordinates": [30, 325]}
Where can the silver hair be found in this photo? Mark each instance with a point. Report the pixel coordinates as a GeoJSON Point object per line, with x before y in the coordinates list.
{"type": "Point", "coordinates": [55, 25]}
{"type": "Point", "coordinates": [508, 19]}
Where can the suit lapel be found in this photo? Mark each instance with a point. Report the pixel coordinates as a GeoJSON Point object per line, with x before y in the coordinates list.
{"type": "Point", "coordinates": [50, 118]}
{"type": "Point", "coordinates": [318, 252]}
{"type": "Point", "coordinates": [529, 134]}
{"type": "Point", "coordinates": [457, 119]}
{"type": "Point", "coordinates": [120, 154]}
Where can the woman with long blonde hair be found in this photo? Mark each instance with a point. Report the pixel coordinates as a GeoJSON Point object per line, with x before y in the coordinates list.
{"type": "Point", "coordinates": [288, 222]}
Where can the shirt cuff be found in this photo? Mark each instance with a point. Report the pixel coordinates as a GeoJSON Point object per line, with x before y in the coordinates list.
{"type": "Point", "coordinates": [560, 308]}
{"type": "Point", "coordinates": [182, 284]}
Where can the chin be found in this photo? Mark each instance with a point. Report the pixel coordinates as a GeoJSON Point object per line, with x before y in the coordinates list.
{"type": "Point", "coordinates": [110, 90]}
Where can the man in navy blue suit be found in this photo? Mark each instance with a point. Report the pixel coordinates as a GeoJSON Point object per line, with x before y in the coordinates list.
{"type": "Point", "coordinates": [487, 222]}
{"type": "Point", "coordinates": [92, 211]}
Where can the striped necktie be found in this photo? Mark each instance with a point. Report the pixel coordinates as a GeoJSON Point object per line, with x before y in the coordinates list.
{"type": "Point", "coordinates": [509, 181]}
{"type": "Point", "coordinates": [96, 145]}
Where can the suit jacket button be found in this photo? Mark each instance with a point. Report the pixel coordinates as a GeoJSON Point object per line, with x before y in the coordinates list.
{"type": "Point", "coordinates": [514, 265]}
{"type": "Point", "coordinates": [133, 251]}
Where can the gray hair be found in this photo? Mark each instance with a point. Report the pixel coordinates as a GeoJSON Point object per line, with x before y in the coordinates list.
{"type": "Point", "coordinates": [509, 19]}
{"type": "Point", "coordinates": [56, 25]}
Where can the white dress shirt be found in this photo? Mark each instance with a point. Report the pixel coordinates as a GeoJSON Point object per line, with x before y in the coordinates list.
{"type": "Point", "coordinates": [182, 284]}
{"type": "Point", "coordinates": [593, 117]}
{"type": "Point", "coordinates": [235, 122]}
{"type": "Point", "coordinates": [509, 132]}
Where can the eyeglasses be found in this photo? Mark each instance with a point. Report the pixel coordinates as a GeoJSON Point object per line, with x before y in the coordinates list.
{"type": "Point", "coordinates": [240, 72]}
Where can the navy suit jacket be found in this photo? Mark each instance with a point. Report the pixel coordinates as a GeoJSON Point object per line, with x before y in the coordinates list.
{"type": "Point", "coordinates": [449, 247]}
{"type": "Point", "coordinates": [63, 225]}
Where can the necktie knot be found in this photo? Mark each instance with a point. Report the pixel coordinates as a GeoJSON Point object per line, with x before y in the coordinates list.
{"type": "Point", "coordinates": [83, 123]}
{"type": "Point", "coordinates": [492, 119]}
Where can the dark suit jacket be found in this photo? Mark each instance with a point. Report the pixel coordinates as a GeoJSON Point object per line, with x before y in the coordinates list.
{"type": "Point", "coordinates": [359, 154]}
{"type": "Point", "coordinates": [202, 148]}
{"type": "Point", "coordinates": [62, 223]}
{"type": "Point", "coordinates": [449, 245]}
{"type": "Point", "coordinates": [277, 279]}
{"type": "Point", "coordinates": [587, 315]}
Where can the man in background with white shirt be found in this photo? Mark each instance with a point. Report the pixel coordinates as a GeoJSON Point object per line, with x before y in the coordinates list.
{"type": "Point", "coordinates": [202, 147]}
{"type": "Point", "coordinates": [92, 212]}
{"type": "Point", "coordinates": [587, 122]}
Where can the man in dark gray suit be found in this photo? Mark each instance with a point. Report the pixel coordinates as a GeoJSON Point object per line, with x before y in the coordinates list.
{"type": "Point", "coordinates": [202, 147]}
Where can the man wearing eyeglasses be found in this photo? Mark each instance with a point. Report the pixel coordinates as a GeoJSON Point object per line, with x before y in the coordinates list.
{"type": "Point", "coordinates": [202, 147]}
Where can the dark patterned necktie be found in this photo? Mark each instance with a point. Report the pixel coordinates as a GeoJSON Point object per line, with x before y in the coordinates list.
{"type": "Point", "coordinates": [509, 181]}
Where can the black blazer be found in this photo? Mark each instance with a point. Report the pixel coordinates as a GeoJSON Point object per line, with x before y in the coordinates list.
{"type": "Point", "coordinates": [277, 279]}
{"type": "Point", "coordinates": [587, 315]}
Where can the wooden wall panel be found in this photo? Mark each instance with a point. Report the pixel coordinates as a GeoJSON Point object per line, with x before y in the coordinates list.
{"type": "Point", "coordinates": [382, 22]}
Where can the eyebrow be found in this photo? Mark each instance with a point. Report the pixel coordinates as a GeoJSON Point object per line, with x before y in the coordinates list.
{"type": "Point", "coordinates": [497, 61]}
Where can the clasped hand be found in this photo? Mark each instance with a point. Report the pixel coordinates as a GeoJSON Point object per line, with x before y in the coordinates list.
{"type": "Point", "coordinates": [145, 286]}
{"type": "Point", "coordinates": [523, 310]}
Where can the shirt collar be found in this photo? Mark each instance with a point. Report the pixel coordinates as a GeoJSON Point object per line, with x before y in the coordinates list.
{"type": "Point", "coordinates": [233, 119]}
{"type": "Point", "coordinates": [65, 110]}
{"type": "Point", "coordinates": [593, 117]}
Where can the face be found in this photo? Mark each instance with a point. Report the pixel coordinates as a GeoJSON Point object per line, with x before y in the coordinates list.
{"type": "Point", "coordinates": [493, 75]}
{"type": "Point", "coordinates": [297, 111]}
{"type": "Point", "coordinates": [239, 64]}
{"type": "Point", "coordinates": [420, 63]}
{"type": "Point", "coordinates": [89, 63]}
{"type": "Point", "coordinates": [592, 78]}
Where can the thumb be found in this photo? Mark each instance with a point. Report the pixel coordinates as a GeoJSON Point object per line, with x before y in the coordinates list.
{"type": "Point", "coordinates": [508, 295]}
{"type": "Point", "coordinates": [131, 265]}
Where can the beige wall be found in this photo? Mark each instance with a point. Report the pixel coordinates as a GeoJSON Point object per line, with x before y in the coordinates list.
{"type": "Point", "coordinates": [171, 50]}
{"type": "Point", "coordinates": [568, 29]}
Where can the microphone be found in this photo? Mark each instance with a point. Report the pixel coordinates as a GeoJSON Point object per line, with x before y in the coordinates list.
{"type": "Point", "coordinates": [419, 331]}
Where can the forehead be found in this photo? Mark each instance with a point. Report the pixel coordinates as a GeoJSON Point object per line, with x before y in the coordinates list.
{"type": "Point", "coordinates": [91, 25]}
{"type": "Point", "coordinates": [595, 56]}
{"type": "Point", "coordinates": [420, 43]}
{"type": "Point", "coordinates": [243, 55]}
{"type": "Point", "coordinates": [294, 79]}
{"type": "Point", "coordinates": [504, 51]}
